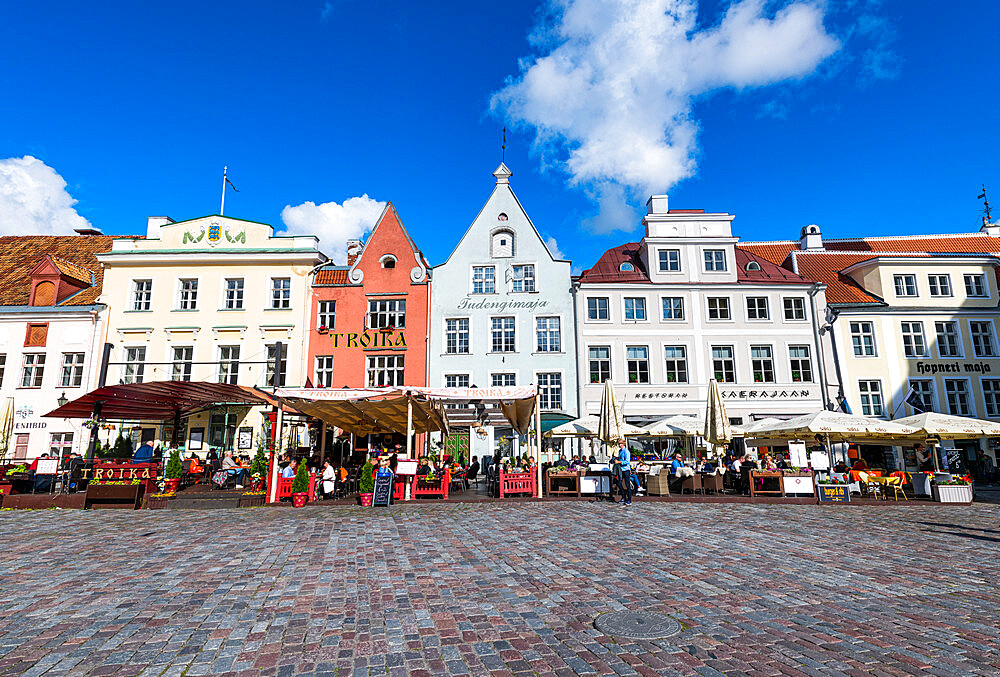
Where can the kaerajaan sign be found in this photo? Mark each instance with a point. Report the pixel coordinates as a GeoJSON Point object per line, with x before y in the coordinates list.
{"type": "Point", "coordinates": [764, 393]}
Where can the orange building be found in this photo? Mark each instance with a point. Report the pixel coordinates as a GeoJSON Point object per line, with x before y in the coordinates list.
{"type": "Point", "coordinates": [370, 318]}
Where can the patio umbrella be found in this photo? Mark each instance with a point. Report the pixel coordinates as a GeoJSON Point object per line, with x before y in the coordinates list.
{"type": "Point", "coordinates": [837, 426]}
{"type": "Point", "coordinates": [763, 423]}
{"type": "Point", "coordinates": [951, 427]}
{"type": "Point", "coordinates": [717, 428]}
{"type": "Point", "coordinates": [6, 427]}
{"type": "Point", "coordinates": [587, 426]}
{"type": "Point", "coordinates": [611, 426]}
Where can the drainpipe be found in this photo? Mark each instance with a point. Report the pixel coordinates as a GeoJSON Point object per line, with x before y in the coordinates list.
{"type": "Point", "coordinates": [821, 358]}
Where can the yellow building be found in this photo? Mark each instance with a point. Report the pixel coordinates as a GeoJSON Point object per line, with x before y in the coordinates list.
{"type": "Point", "coordinates": [209, 299]}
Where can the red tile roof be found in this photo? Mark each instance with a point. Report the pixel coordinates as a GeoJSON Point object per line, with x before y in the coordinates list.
{"type": "Point", "coordinates": [971, 243]}
{"type": "Point", "coordinates": [769, 273]}
{"type": "Point", "coordinates": [19, 254]}
{"type": "Point", "coordinates": [775, 252]}
{"type": "Point", "coordinates": [331, 276]}
{"type": "Point", "coordinates": [70, 269]}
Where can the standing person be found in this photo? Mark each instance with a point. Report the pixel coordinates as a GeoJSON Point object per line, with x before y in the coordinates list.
{"type": "Point", "coordinates": [924, 461]}
{"type": "Point", "coordinates": [625, 463]}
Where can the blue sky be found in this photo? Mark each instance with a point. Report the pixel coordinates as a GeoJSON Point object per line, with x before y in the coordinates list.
{"type": "Point", "coordinates": [864, 117]}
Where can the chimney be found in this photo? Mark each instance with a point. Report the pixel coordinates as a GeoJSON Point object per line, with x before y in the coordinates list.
{"type": "Point", "coordinates": [657, 204]}
{"type": "Point", "coordinates": [354, 249]}
{"type": "Point", "coordinates": [153, 226]}
{"type": "Point", "coordinates": [810, 238]}
{"type": "Point", "coordinates": [991, 229]}
{"type": "Point", "coordinates": [88, 231]}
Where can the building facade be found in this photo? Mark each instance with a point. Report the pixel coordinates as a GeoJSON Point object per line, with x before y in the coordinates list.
{"type": "Point", "coordinates": [663, 316]}
{"type": "Point", "coordinates": [209, 299]}
{"type": "Point", "coordinates": [502, 313]}
{"type": "Point", "coordinates": [913, 321]}
{"type": "Point", "coordinates": [51, 336]}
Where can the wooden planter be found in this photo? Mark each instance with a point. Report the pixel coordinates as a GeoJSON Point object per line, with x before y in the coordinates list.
{"type": "Point", "coordinates": [251, 501]}
{"type": "Point", "coordinates": [953, 493]}
{"type": "Point", "coordinates": [158, 502]}
{"type": "Point", "coordinates": [125, 496]}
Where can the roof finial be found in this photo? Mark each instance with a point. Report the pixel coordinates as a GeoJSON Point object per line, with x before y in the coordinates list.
{"type": "Point", "coordinates": [503, 146]}
{"type": "Point", "coordinates": [987, 219]}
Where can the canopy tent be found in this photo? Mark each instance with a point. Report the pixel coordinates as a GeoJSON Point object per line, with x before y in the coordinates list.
{"type": "Point", "coordinates": [156, 400]}
{"type": "Point", "coordinates": [587, 426]}
{"type": "Point", "coordinates": [682, 425]}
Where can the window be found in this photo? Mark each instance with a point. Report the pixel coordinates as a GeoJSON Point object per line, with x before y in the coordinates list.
{"type": "Point", "coordinates": [670, 260]}
{"type": "Point", "coordinates": [923, 395]}
{"type": "Point", "coordinates": [187, 295]}
{"type": "Point", "coordinates": [723, 364]}
{"type": "Point", "coordinates": [906, 285]}
{"type": "Point", "coordinates": [975, 286]}
{"type": "Point", "coordinates": [863, 339]}
{"type": "Point", "coordinates": [35, 335]}
{"type": "Point", "coordinates": [135, 365]}
{"type": "Point", "coordinates": [757, 308]}
{"type": "Point", "coordinates": [550, 390]}
{"type": "Point", "coordinates": [180, 368]}
{"type": "Point", "coordinates": [523, 278]}
{"type": "Point", "coordinates": [484, 280]}
{"type": "Point", "coordinates": [388, 262]}
{"type": "Point", "coordinates": [222, 430]}
{"type": "Point", "coordinates": [281, 293]}
{"type": "Point", "coordinates": [715, 260]}
{"type": "Point", "coordinates": [456, 380]}
{"type": "Point", "coordinates": [60, 444]}
{"type": "Point", "coordinates": [142, 294]}
{"type": "Point", "coordinates": [718, 308]}
{"type": "Point", "coordinates": [800, 364]}
{"type": "Point", "coordinates": [326, 315]}
{"type": "Point", "coordinates": [72, 370]}
{"type": "Point", "coordinates": [871, 398]}
{"type": "Point", "coordinates": [324, 371]}
{"type": "Point", "coordinates": [939, 285]}
{"type": "Point", "coordinates": [957, 392]}
{"type": "Point", "coordinates": [20, 446]}
{"type": "Point", "coordinates": [673, 308]}
{"type": "Point", "coordinates": [795, 309]}
{"type": "Point", "coordinates": [676, 364]}
{"type": "Point", "coordinates": [762, 364]}
{"type": "Point", "coordinates": [234, 294]}
{"type": "Point", "coordinates": [503, 334]}
{"type": "Point", "coordinates": [983, 344]}
{"type": "Point", "coordinates": [637, 362]}
{"type": "Point", "coordinates": [229, 364]}
{"type": "Point", "coordinates": [385, 370]}
{"type": "Point", "coordinates": [3, 366]}
{"type": "Point", "coordinates": [949, 341]}
{"type": "Point", "coordinates": [600, 363]}
{"type": "Point", "coordinates": [388, 313]}
{"type": "Point", "coordinates": [502, 380]}
{"type": "Point", "coordinates": [913, 339]}
{"type": "Point", "coordinates": [991, 393]}
{"type": "Point", "coordinates": [456, 336]}
{"type": "Point", "coordinates": [282, 365]}
{"type": "Point", "coordinates": [753, 266]}
{"type": "Point", "coordinates": [626, 267]}
{"type": "Point", "coordinates": [503, 244]}
{"type": "Point", "coordinates": [32, 370]}
{"type": "Point", "coordinates": [548, 333]}
{"type": "Point", "coordinates": [597, 308]}
{"type": "Point", "coordinates": [635, 309]}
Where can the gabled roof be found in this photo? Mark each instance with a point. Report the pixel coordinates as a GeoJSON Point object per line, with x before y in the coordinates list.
{"type": "Point", "coordinates": [389, 213]}
{"type": "Point", "coordinates": [769, 273]}
{"type": "Point", "coordinates": [74, 255]}
{"type": "Point", "coordinates": [331, 275]}
{"type": "Point", "coordinates": [826, 266]}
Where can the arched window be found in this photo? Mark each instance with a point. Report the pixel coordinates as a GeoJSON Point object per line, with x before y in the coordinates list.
{"type": "Point", "coordinates": [503, 244]}
{"type": "Point", "coordinates": [626, 267]}
{"type": "Point", "coordinates": [45, 294]}
{"type": "Point", "coordinates": [753, 265]}
{"type": "Point", "coordinates": [388, 261]}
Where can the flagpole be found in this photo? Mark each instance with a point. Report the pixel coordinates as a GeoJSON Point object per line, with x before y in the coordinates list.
{"type": "Point", "coordinates": [222, 207]}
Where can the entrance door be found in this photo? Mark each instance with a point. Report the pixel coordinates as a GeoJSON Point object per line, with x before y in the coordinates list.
{"type": "Point", "coordinates": [456, 445]}
{"type": "Point", "coordinates": [20, 446]}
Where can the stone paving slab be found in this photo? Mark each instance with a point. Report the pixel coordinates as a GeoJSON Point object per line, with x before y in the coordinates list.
{"type": "Point", "coordinates": [493, 589]}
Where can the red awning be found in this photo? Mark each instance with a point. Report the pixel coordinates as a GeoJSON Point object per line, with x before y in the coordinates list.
{"type": "Point", "coordinates": [158, 400]}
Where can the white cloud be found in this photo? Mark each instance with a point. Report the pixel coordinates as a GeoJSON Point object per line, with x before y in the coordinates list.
{"type": "Point", "coordinates": [612, 92]}
{"type": "Point", "coordinates": [333, 223]}
{"type": "Point", "coordinates": [34, 200]}
{"type": "Point", "coordinates": [327, 10]}
{"type": "Point", "coordinates": [554, 248]}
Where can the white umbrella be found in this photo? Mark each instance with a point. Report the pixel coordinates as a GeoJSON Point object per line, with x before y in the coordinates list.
{"type": "Point", "coordinates": [611, 426]}
{"type": "Point", "coordinates": [762, 424]}
{"type": "Point", "coordinates": [717, 427]}
{"type": "Point", "coordinates": [952, 427]}
{"type": "Point", "coordinates": [587, 426]}
{"type": "Point", "coordinates": [836, 426]}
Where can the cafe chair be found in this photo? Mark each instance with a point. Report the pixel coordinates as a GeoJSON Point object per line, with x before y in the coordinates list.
{"type": "Point", "coordinates": [658, 484]}
{"type": "Point", "coordinates": [869, 487]}
{"type": "Point", "coordinates": [473, 476]}
{"type": "Point", "coordinates": [692, 484]}
{"type": "Point", "coordinates": [711, 483]}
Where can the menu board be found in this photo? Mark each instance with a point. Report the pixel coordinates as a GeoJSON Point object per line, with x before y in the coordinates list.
{"type": "Point", "coordinates": [47, 466]}
{"type": "Point", "coordinates": [383, 490]}
{"type": "Point", "coordinates": [406, 467]}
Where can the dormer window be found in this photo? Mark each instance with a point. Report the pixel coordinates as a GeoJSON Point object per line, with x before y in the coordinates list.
{"type": "Point", "coordinates": [626, 267]}
{"type": "Point", "coordinates": [503, 244]}
{"type": "Point", "coordinates": [388, 261]}
{"type": "Point", "coordinates": [753, 266]}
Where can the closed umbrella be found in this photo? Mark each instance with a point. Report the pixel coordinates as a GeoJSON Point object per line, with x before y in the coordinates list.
{"type": "Point", "coordinates": [611, 426]}
{"type": "Point", "coordinates": [6, 427]}
{"type": "Point", "coordinates": [717, 427]}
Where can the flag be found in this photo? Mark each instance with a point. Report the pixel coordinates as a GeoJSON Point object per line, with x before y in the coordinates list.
{"type": "Point", "coordinates": [914, 400]}
{"type": "Point", "coordinates": [231, 185]}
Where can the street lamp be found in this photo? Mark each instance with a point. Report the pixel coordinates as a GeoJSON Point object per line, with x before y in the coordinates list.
{"type": "Point", "coordinates": [62, 399]}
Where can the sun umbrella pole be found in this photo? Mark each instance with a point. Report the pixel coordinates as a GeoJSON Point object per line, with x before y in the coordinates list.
{"type": "Point", "coordinates": [538, 442]}
{"type": "Point", "coordinates": [829, 452]}
{"type": "Point", "coordinates": [409, 425]}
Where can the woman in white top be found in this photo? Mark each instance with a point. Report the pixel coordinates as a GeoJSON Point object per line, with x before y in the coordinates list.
{"type": "Point", "coordinates": [328, 479]}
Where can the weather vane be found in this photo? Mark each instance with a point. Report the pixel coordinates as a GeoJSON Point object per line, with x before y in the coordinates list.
{"type": "Point", "coordinates": [987, 219]}
{"type": "Point", "coordinates": [503, 146]}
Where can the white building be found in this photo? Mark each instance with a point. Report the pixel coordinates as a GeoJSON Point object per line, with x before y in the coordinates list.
{"type": "Point", "coordinates": [662, 316]}
{"type": "Point", "coordinates": [502, 313]}
{"type": "Point", "coordinates": [51, 336]}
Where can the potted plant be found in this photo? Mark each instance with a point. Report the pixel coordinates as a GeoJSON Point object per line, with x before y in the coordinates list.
{"type": "Point", "coordinates": [367, 484]}
{"type": "Point", "coordinates": [832, 490]}
{"type": "Point", "coordinates": [958, 490]}
{"type": "Point", "coordinates": [323, 329]}
{"type": "Point", "coordinates": [173, 472]}
{"type": "Point", "coordinates": [258, 468]}
{"type": "Point", "coordinates": [300, 486]}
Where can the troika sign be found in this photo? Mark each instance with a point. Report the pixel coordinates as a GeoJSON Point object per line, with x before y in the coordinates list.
{"type": "Point", "coordinates": [369, 338]}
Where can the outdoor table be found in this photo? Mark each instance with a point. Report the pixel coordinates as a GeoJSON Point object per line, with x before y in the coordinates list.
{"type": "Point", "coordinates": [566, 482]}
{"type": "Point", "coordinates": [766, 476]}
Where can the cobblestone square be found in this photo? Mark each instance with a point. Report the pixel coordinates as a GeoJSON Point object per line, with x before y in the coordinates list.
{"type": "Point", "coordinates": [494, 589]}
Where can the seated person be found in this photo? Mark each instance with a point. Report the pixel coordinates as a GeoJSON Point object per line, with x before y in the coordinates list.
{"type": "Point", "coordinates": [196, 468]}
{"type": "Point", "coordinates": [841, 467]}
{"type": "Point", "coordinates": [860, 464]}
{"type": "Point", "coordinates": [424, 468]}
{"type": "Point", "coordinates": [676, 464]}
{"type": "Point", "coordinates": [286, 472]}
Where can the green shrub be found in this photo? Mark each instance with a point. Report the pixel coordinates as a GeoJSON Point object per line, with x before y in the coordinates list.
{"type": "Point", "coordinates": [300, 484]}
{"type": "Point", "coordinates": [174, 467]}
{"type": "Point", "coordinates": [258, 466]}
{"type": "Point", "coordinates": [367, 484]}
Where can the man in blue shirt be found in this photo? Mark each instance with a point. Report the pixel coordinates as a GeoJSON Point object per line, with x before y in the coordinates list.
{"type": "Point", "coordinates": [625, 463]}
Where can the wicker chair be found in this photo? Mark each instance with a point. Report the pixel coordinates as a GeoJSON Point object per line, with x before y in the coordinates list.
{"type": "Point", "coordinates": [711, 483]}
{"type": "Point", "coordinates": [692, 484]}
{"type": "Point", "coordinates": [659, 484]}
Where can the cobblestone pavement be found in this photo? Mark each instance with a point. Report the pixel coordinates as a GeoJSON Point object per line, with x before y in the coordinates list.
{"type": "Point", "coordinates": [479, 589]}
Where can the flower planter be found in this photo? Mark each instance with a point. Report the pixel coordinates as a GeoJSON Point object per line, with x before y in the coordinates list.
{"type": "Point", "coordinates": [366, 500]}
{"type": "Point", "coordinates": [158, 502]}
{"type": "Point", "coordinates": [256, 500]}
{"type": "Point", "coordinates": [256, 484]}
{"type": "Point", "coordinates": [128, 496]}
{"type": "Point", "coordinates": [300, 499]}
{"type": "Point", "coordinates": [953, 493]}
{"type": "Point", "coordinates": [171, 485]}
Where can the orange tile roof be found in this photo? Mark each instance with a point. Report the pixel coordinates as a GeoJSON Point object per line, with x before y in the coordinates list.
{"type": "Point", "coordinates": [74, 271]}
{"type": "Point", "coordinates": [19, 254]}
{"type": "Point", "coordinates": [775, 252]}
{"type": "Point", "coordinates": [970, 243]}
{"type": "Point", "coordinates": [331, 276]}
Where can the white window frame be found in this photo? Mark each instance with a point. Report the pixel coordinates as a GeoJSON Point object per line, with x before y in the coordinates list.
{"type": "Point", "coordinates": [674, 318]}
{"type": "Point", "coordinates": [385, 365]}
{"type": "Point", "coordinates": [990, 336]}
{"type": "Point", "coordinates": [799, 301]}
{"type": "Point", "coordinates": [326, 313]}
{"type": "Point", "coordinates": [767, 309]}
{"type": "Point", "coordinates": [766, 363]}
{"type": "Point", "coordinates": [933, 393]}
{"type": "Point", "coordinates": [607, 308]}
{"type": "Point", "coordinates": [978, 283]}
{"type": "Point", "coordinates": [461, 376]}
{"type": "Point", "coordinates": [232, 299]}
{"type": "Point", "coordinates": [676, 262]}
{"type": "Point", "coordinates": [545, 390]}
{"type": "Point", "coordinates": [682, 361]}
{"type": "Point", "coordinates": [522, 279]}
{"type": "Point", "coordinates": [147, 296]}
{"type": "Point", "coordinates": [600, 360]}
{"type": "Point", "coordinates": [386, 313]}
{"type": "Point", "coordinates": [224, 365]}
{"type": "Point", "coordinates": [911, 338]}
{"type": "Point", "coordinates": [711, 266]}
{"type": "Point", "coordinates": [323, 366]}
{"type": "Point", "coordinates": [727, 307]}
{"type": "Point", "coordinates": [638, 363]}
{"type": "Point", "coordinates": [939, 285]}
{"type": "Point", "coordinates": [991, 395]}
{"type": "Point", "coordinates": [185, 364]}
{"type": "Point", "coordinates": [508, 378]}
{"type": "Point", "coordinates": [635, 306]}
{"type": "Point", "coordinates": [959, 341]}
{"type": "Point", "coordinates": [488, 279]}
{"type": "Point", "coordinates": [861, 333]}
{"type": "Point", "coordinates": [32, 370]}
{"type": "Point", "coordinates": [792, 359]}
{"type": "Point", "coordinates": [458, 331]}
{"type": "Point", "coordinates": [504, 328]}
{"type": "Point", "coordinates": [865, 395]}
{"type": "Point", "coordinates": [281, 295]}
{"type": "Point", "coordinates": [905, 285]}
{"type": "Point", "coordinates": [187, 293]}
{"type": "Point", "coordinates": [134, 364]}
{"type": "Point", "coordinates": [970, 397]}
{"type": "Point", "coordinates": [732, 359]}
{"type": "Point", "coordinates": [71, 370]}
{"type": "Point", "coordinates": [548, 332]}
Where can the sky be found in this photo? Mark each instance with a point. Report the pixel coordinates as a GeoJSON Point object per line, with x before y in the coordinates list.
{"type": "Point", "coordinates": [867, 118]}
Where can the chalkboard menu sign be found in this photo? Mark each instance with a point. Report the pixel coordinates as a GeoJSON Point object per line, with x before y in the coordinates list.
{"type": "Point", "coordinates": [383, 489]}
